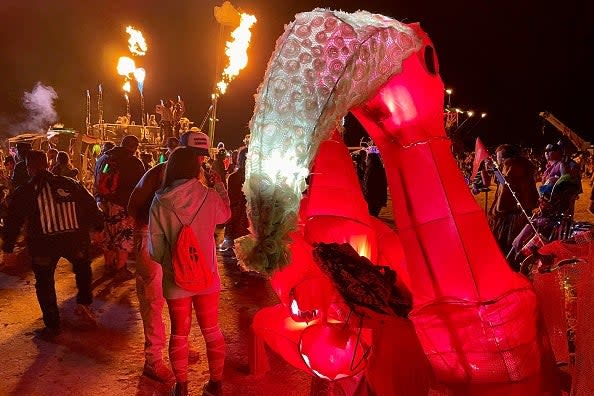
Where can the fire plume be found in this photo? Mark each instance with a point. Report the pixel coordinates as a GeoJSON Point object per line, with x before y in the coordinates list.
{"type": "Point", "coordinates": [236, 50]}
{"type": "Point", "coordinates": [126, 86]}
{"type": "Point", "coordinates": [125, 66]}
{"type": "Point", "coordinates": [136, 42]}
{"type": "Point", "coordinates": [139, 74]}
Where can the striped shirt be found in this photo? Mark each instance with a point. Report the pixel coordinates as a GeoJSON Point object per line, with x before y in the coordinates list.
{"type": "Point", "coordinates": [57, 211]}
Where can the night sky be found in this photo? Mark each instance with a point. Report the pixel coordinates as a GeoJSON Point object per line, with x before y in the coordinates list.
{"type": "Point", "coordinates": [511, 59]}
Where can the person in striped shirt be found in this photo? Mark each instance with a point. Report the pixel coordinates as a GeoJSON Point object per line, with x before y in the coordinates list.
{"type": "Point", "coordinates": [58, 214]}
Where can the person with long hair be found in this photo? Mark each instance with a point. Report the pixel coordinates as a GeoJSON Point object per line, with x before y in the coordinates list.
{"type": "Point", "coordinates": [63, 167]}
{"type": "Point", "coordinates": [183, 198]}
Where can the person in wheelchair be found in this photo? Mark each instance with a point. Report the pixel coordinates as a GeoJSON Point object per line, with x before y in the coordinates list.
{"type": "Point", "coordinates": [552, 219]}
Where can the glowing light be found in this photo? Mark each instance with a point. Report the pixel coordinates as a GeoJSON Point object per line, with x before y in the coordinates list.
{"type": "Point", "coordinates": [139, 74]}
{"type": "Point", "coordinates": [449, 91]}
{"type": "Point", "coordinates": [401, 105]}
{"type": "Point", "coordinates": [294, 308]}
{"type": "Point", "coordinates": [236, 50]}
{"type": "Point", "coordinates": [126, 87]}
{"type": "Point", "coordinates": [136, 43]}
{"type": "Point", "coordinates": [483, 115]}
{"type": "Point", "coordinates": [285, 168]}
{"type": "Point", "coordinates": [125, 66]}
{"type": "Point", "coordinates": [470, 113]}
{"type": "Point", "coordinates": [361, 245]}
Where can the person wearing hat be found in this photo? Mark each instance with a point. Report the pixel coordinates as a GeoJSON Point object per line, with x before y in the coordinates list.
{"type": "Point", "coordinates": [20, 175]}
{"type": "Point", "coordinates": [554, 167]}
{"type": "Point", "coordinates": [149, 274]}
{"type": "Point", "coordinates": [185, 201]}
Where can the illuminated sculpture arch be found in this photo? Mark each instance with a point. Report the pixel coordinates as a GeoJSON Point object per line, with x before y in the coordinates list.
{"type": "Point", "coordinates": [475, 318]}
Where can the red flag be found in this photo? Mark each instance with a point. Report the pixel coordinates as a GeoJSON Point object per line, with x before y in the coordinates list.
{"type": "Point", "coordinates": [480, 154]}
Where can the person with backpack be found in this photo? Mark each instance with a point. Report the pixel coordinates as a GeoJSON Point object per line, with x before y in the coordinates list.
{"type": "Point", "coordinates": [149, 274]}
{"type": "Point", "coordinates": [182, 221]}
{"type": "Point", "coordinates": [59, 214]}
{"type": "Point", "coordinates": [116, 173]}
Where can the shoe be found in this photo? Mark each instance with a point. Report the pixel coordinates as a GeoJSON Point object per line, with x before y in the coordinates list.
{"type": "Point", "coordinates": [47, 333]}
{"type": "Point", "coordinates": [213, 388]}
{"type": "Point", "coordinates": [86, 314]}
{"type": "Point", "coordinates": [181, 389]}
{"type": "Point", "coordinates": [159, 372]}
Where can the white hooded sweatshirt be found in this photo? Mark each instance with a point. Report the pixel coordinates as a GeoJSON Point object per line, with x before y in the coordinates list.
{"type": "Point", "coordinates": [185, 198]}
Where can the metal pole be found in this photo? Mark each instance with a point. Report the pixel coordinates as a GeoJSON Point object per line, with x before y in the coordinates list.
{"type": "Point", "coordinates": [144, 139]}
{"type": "Point", "coordinates": [213, 119]}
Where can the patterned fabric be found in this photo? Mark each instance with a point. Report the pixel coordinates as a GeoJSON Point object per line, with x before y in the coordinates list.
{"type": "Point", "coordinates": [324, 64]}
{"type": "Point", "coordinates": [206, 309]}
{"type": "Point", "coordinates": [119, 228]}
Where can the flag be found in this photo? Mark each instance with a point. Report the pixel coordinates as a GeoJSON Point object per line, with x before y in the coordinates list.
{"type": "Point", "coordinates": [480, 154]}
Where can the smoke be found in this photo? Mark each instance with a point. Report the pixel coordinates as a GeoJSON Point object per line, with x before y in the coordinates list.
{"type": "Point", "coordinates": [39, 113]}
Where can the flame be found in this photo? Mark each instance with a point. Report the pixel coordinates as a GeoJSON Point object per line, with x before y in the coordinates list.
{"type": "Point", "coordinates": [126, 86]}
{"type": "Point", "coordinates": [136, 42]}
{"type": "Point", "coordinates": [139, 74]}
{"type": "Point", "coordinates": [236, 50]}
{"type": "Point", "coordinates": [361, 245]}
{"type": "Point", "coordinates": [125, 66]}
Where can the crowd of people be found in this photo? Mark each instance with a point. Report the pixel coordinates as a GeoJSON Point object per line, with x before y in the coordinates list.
{"type": "Point", "coordinates": [138, 206]}
{"type": "Point", "coordinates": [534, 198]}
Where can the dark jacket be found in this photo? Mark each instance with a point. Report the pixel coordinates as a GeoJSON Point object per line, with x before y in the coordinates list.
{"type": "Point", "coordinates": [130, 169]}
{"type": "Point", "coordinates": [58, 214]}
{"type": "Point", "coordinates": [142, 195]}
{"type": "Point", "coordinates": [64, 170]}
{"type": "Point", "coordinates": [20, 176]}
{"type": "Point", "coordinates": [375, 185]}
{"type": "Point", "coordinates": [238, 225]}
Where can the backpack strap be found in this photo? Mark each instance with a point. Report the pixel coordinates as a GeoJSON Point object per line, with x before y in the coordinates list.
{"type": "Point", "coordinates": [196, 214]}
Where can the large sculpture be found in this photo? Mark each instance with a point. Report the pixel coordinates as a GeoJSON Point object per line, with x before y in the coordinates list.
{"type": "Point", "coordinates": [476, 320]}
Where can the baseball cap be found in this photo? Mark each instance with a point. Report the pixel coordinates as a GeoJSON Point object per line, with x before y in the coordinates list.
{"type": "Point", "coordinates": [196, 139]}
{"type": "Point", "coordinates": [552, 147]}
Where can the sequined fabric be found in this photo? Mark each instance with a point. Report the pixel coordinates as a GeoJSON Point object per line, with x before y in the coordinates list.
{"type": "Point", "coordinates": [325, 63]}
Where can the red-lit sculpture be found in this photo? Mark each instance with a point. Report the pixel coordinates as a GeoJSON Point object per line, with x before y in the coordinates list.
{"type": "Point", "coordinates": [476, 320]}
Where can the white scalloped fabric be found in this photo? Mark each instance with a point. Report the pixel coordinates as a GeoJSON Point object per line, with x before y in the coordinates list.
{"type": "Point", "coordinates": [325, 63]}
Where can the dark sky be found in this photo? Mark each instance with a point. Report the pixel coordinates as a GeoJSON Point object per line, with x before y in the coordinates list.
{"type": "Point", "coordinates": [511, 59]}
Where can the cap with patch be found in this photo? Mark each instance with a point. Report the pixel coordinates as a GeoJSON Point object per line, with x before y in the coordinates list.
{"type": "Point", "coordinates": [195, 139]}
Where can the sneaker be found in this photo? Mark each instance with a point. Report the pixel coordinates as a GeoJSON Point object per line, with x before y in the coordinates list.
{"type": "Point", "coordinates": [159, 372]}
{"type": "Point", "coordinates": [213, 388]}
{"type": "Point", "coordinates": [86, 314]}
